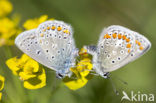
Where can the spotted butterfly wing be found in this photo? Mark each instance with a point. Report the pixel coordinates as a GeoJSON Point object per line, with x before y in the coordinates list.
{"type": "Point", "coordinates": [56, 40]}
{"type": "Point", "coordinates": [117, 46]}
{"type": "Point", "coordinates": [55, 46]}
{"type": "Point", "coordinates": [27, 42]}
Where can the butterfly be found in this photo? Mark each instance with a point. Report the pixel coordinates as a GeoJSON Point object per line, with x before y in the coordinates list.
{"type": "Point", "coordinates": [52, 45]}
{"type": "Point", "coordinates": [117, 46]}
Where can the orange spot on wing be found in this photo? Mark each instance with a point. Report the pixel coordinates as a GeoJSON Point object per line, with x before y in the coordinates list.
{"type": "Point", "coordinates": [136, 41]}
{"type": "Point", "coordinates": [141, 48]}
{"type": "Point", "coordinates": [48, 28]}
{"type": "Point", "coordinates": [128, 46]}
{"type": "Point", "coordinates": [41, 35]}
{"type": "Point", "coordinates": [127, 40]}
{"type": "Point", "coordinates": [53, 27]}
{"type": "Point", "coordinates": [66, 31]}
{"type": "Point", "coordinates": [119, 36]}
{"type": "Point", "coordinates": [129, 50]}
{"type": "Point", "coordinates": [123, 37]}
{"type": "Point", "coordinates": [139, 43]}
{"type": "Point", "coordinates": [44, 30]}
{"type": "Point", "coordinates": [108, 36]}
{"type": "Point", "coordinates": [114, 35]}
{"type": "Point", "coordinates": [59, 28]}
{"type": "Point", "coordinates": [104, 36]}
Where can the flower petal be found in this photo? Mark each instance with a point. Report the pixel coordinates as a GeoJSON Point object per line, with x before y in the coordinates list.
{"type": "Point", "coordinates": [2, 79]}
{"type": "Point", "coordinates": [76, 84]}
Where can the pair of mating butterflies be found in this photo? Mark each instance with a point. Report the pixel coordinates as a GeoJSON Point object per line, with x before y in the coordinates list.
{"type": "Point", "coordinates": [52, 45]}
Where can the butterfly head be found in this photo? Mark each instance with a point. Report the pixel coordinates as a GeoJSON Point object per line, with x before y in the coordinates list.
{"type": "Point", "coordinates": [106, 75]}
{"type": "Point", "coordinates": [59, 75]}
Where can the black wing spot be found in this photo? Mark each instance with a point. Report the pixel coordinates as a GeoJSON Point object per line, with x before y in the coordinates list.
{"type": "Point", "coordinates": [47, 42]}
{"type": "Point", "coordinates": [121, 51]}
{"type": "Point", "coordinates": [58, 52]}
{"type": "Point", "coordinates": [59, 37]}
{"type": "Point", "coordinates": [52, 57]}
{"type": "Point", "coordinates": [38, 52]}
{"type": "Point", "coordinates": [113, 61]}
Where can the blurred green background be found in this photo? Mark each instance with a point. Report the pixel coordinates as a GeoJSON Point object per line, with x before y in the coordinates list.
{"type": "Point", "coordinates": [88, 18]}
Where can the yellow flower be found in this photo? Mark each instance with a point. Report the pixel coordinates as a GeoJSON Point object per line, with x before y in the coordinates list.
{"type": "Point", "coordinates": [76, 84]}
{"type": "Point", "coordinates": [2, 79]}
{"type": "Point", "coordinates": [5, 7]}
{"type": "Point", "coordinates": [29, 71]}
{"type": "Point", "coordinates": [0, 96]}
{"type": "Point", "coordinates": [36, 82]}
{"type": "Point", "coordinates": [6, 24]}
{"type": "Point", "coordinates": [13, 64]}
{"type": "Point", "coordinates": [8, 31]}
{"type": "Point", "coordinates": [33, 23]}
{"type": "Point", "coordinates": [81, 71]}
{"type": "Point", "coordinates": [16, 65]}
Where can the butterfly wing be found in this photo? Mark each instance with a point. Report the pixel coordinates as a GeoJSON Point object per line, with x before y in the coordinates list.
{"type": "Point", "coordinates": [142, 45]}
{"type": "Point", "coordinates": [56, 40]}
{"type": "Point", "coordinates": [117, 47]}
{"type": "Point", "coordinates": [27, 42]}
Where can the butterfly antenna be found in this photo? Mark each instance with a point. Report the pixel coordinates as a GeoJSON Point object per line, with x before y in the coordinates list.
{"type": "Point", "coordinates": [113, 85]}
